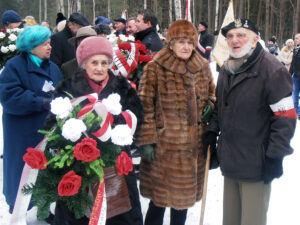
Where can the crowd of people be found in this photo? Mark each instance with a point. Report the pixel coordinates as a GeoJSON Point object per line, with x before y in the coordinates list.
{"type": "Point", "coordinates": [254, 108]}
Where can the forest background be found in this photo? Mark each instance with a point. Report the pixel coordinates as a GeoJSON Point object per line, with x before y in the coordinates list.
{"type": "Point", "coordinates": [278, 18]}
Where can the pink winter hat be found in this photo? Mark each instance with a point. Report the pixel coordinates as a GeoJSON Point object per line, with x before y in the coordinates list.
{"type": "Point", "coordinates": [93, 46]}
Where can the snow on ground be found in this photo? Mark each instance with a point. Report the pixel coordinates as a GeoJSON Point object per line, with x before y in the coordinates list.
{"type": "Point", "coordinates": [284, 203]}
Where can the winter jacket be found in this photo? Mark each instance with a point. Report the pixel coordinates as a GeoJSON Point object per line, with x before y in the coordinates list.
{"type": "Point", "coordinates": [174, 93]}
{"type": "Point", "coordinates": [206, 41]}
{"type": "Point", "coordinates": [150, 38]}
{"type": "Point", "coordinates": [77, 86]}
{"type": "Point", "coordinates": [295, 65]}
{"type": "Point", "coordinates": [62, 50]}
{"type": "Point", "coordinates": [69, 68]}
{"type": "Point", "coordinates": [22, 97]}
{"type": "Point", "coordinates": [252, 116]}
{"type": "Point", "coordinates": [285, 57]}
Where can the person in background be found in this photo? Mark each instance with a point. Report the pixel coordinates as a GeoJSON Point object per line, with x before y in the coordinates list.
{"type": "Point", "coordinates": [286, 54]}
{"type": "Point", "coordinates": [255, 120]}
{"type": "Point", "coordinates": [59, 17]}
{"type": "Point", "coordinates": [206, 40]}
{"type": "Point", "coordinates": [102, 19]}
{"type": "Point", "coordinates": [62, 50]}
{"type": "Point", "coordinates": [174, 90]}
{"type": "Point", "coordinates": [46, 24]}
{"type": "Point", "coordinates": [26, 87]}
{"type": "Point", "coordinates": [68, 68]}
{"type": "Point", "coordinates": [120, 26]}
{"type": "Point", "coordinates": [295, 72]}
{"type": "Point", "coordinates": [146, 30]}
{"type": "Point", "coordinates": [102, 29]}
{"type": "Point", "coordinates": [11, 19]}
{"type": "Point", "coordinates": [272, 46]}
{"type": "Point", "coordinates": [29, 21]}
{"type": "Point", "coordinates": [130, 26]}
{"type": "Point", "coordinates": [94, 55]}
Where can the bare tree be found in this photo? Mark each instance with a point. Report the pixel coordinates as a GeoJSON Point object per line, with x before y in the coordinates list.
{"type": "Point", "coordinates": [40, 10]}
{"type": "Point", "coordinates": [78, 5]}
{"type": "Point", "coordinates": [177, 7]}
{"type": "Point", "coordinates": [259, 12]}
{"type": "Point", "coordinates": [108, 8]}
{"type": "Point", "coordinates": [267, 20]}
{"type": "Point", "coordinates": [145, 4]}
{"type": "Point", "coordinates": [60, 6]}
{"type": "Point", "coordinates": [282, 13]}
{"type": "Point", "coordinates": [241, 8]}
{"type": "Point", "coordinates": [45, 9]}
{"type": "Point", "coordinates": [296, 26]}
{"type": "Point", "coordinates": [170, 11]}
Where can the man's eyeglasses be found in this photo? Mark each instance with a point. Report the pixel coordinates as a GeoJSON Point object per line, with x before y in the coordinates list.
{"type": "Point", "coordinates": [238, 36]}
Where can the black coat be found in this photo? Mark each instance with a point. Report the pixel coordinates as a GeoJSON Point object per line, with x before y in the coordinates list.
{"type": "Point", "coordinates": [206, 41]}
{"type": "Point", "coordinates": [62, 50]}
{"type": "Point", "coordinates": [150, 38]}
{"type": "Point", "coordinates": [78, 86]}
{"type": "Point", "coordinates": [295, 65]}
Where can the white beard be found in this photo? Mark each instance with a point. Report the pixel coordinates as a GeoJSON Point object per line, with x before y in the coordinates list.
{"type": "Point", "coordinates": [244, 51]}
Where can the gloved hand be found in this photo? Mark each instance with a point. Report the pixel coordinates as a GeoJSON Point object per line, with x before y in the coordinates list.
{"type": "Point", "coordinates": [148, 152]}
{"type": "Point", "coordinates": [46, 103]}
{"type": "Point", "coordinates": [272, 169]}
{"type": "Point", "coordinates": [209, 138]}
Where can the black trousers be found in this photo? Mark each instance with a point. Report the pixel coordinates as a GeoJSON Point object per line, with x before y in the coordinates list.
{"type": "Point", "coordinates": [155, 215]}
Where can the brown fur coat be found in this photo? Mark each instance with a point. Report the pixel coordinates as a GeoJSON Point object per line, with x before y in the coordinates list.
{"type": "Point", "coordinates": [174, 93]}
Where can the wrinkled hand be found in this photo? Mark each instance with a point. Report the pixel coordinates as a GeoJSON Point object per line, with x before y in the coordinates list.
{"type": "Point", "coordinates": [148, 152]}
{"type": "Point", "coordinates": [272, 169]}
{"type": "Point", "coordinates": [209, 138]}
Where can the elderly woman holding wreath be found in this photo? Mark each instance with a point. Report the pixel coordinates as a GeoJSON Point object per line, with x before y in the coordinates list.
{"type": "Point", "coordinates": [174, 89]}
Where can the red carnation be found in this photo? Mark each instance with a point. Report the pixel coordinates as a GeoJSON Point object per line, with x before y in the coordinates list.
{"type": "Point", "coordinates": [86, 150]}
{"type": "Point", "coordinates": [36, 159]}
{"type": "Point", "coordinates": [124, 46]}
{"type": "Point", "coordinates": [124, 164]}
{"type": "Point", "coordinates": [144, 58]}
{"type": "Point", "coordinates": [142, 49]}
{"type": "Point", "coordinates": [69, 184]}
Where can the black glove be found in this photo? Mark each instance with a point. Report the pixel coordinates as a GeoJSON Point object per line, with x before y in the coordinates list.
{"type": "Point", "coordinates": [148, 152]}
{"type": "Point", "coordinates": [272, 169]}
{"type": "Point", "coordinates": [209, 138]}
{"type": "Point", "coordinates": [46, 103]}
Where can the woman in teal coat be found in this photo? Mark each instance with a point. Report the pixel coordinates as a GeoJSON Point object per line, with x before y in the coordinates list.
{"type": "Point", "coordinates": [26, 84]}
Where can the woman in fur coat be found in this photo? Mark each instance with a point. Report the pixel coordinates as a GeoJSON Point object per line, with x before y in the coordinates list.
{"type": "Point", "coordinates": [174, 89]}
{"type": "Point", "coordinates": [94, 55]}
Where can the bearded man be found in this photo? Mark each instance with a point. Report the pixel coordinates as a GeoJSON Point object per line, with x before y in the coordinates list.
{"type": "Point", "coordinates": [255, 120]}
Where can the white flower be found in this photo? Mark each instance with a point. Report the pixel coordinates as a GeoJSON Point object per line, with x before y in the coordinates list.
{"type": "Point", "coordinates": [72, 129]}
{"type": "Point", "coordinates": [4, 49]}
{"type": "Point", "coordinates": [12, 37]}
{"type": "Point", "coordinates": [131, 38]}
{"type": "Point", "coordinates": [2, 35]}
{"type": "Point", "coordinates": [121, 135]}
{"type": "Point", "coordinates": [61, 107]}
{"type": "Point", "coordinates": [123, 38]}
{"type": "Point", "coordinates": [12, 48]}
{"type": "Point", "coordinates": [112, 104]}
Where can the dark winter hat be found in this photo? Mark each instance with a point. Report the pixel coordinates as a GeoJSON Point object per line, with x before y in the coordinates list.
{"type": "Point", "coordinates": [60, 17]}
{"type": "Point", "coordinates": [273, 40]}
{"type": "Point", "coordinates": [93, 46]}
{"type": "Point", "coordinates": [32, 36]}
{"type": "Point", "coordinates": [81, 33]}
{"type": "Point", "coordinates": [182, 29]}
{"type": "Point", "coordinates": [120, 20]}
{"type": "Point", "coordinates": [204, 24]}
{"type": "Point", "coordinates": [79, 19]}
{"type": "Point", "coordinates": [102, 28]}
{"type": "Point", "coordinates": [238, 23]}
{"type": "Point", "coordinates": [10, 16]}
{"type": "Point", "coordinates": [102, 19]}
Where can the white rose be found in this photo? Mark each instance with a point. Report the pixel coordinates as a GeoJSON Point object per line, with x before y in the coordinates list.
{"type": "Point", "coordinates": [12, 37]}
{"type": "Point", "coordinates": [131, 38]}
{"type": "Point", "coordinates": [72, 129]}
{"type": "Point", "coordinates": [2, 35]}
{"type": "Point", "coordinates": [12, 48]}
{"type": "Point", "coordinates": [4, 49]}
{"type": "Point", "coordinates": [123, 37]}
{"type": "Point", "coordinates": [121, 135]}
{"type": "Point", "coordinates": [112, 104]}
{"type": "Point", "coordinates": [61, 107]}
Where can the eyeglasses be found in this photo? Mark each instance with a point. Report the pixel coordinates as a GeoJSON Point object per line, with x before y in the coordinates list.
{"type": "Point", "coordinates": [238, 36]}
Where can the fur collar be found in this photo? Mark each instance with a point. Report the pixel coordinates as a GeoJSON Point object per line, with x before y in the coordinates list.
{"type": "Point", "coordinates": [167, 59]}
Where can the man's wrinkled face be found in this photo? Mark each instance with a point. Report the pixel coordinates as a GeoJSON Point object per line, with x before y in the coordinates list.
{"type": "Point", "coordinates": [131, 27]}
{"type": "Point", "coordinates": [119, 26]}
{"type": "Point", "coordinates": [240, 41]}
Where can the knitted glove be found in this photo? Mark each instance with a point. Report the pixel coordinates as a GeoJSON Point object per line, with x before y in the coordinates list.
{"type": "Point", "coordinates": [148, 152]}
{"type": "Point", "coordinates": [272, 169]}
{"type": "Point", "coordinates": [209, 138]}
{"type": "Point", "coordinates": [46, 103]}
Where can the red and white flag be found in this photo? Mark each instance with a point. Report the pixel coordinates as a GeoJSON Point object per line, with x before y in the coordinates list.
{"type": "Point", "coordinates": [188, 16]}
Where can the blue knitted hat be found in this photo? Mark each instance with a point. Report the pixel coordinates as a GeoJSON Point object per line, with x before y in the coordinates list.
{"type": "Point", "coordinates": [32, 36]}
{"type": "Point", "coordinates": [10, 16]}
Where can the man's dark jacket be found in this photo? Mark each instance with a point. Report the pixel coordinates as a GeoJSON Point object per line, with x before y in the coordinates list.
{"type": "Point", "coordinates": [62, 50]}
{"type": "Point", "coordinates": [249, 130]}
{"type": "Point", "coordinates": [206, 41]}
{"type": "Point", "coordinates": [295, 65]}
{"type": "Point", "coordinates": [69, 68]}
{"type": "Point", "coordinates": [150, 38]}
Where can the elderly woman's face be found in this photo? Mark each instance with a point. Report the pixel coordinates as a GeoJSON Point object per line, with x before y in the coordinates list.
{"type": "Point", "coordinates": [97, 67]}
{"type": "Point", "coordinates": [42, 51]}
{"type": "Point", "coordinates": [183, 48]}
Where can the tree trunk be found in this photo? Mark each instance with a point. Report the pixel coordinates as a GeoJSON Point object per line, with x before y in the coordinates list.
{"type": "Point", "coordinates": [282, 13]}
{"type": "Point", "coordinates": [217, 15]}
{"type": "Point", "coordinates": [259, 13]}
{"type": "Point", "coordinates": [60, 6]}
{"type": "Point", "coordinates": [94, 9]}
{"type": "Point", "coordinates": [177, 7]}
{"type": "Point", "coordinates": [241, 9]}
{"type": "Point", "coordinates": [108, 9]}
{"type": "Point", "coordinates": [40, 10]}
{"type": "Point", "coordinates": [78, 5]}
{"type": "Point", "coordinates": [267, 20]}
{"type": "Point", "coordinates": [296, 25]}
{"type": "Point", "coordinates": [45, 9]}
{"type": "Point", "coordinates": [165, 14]}
{"type": "Point", "coordinates": [220, 14]}
{"type": "Point", "coordinates": [170, 12]}
{"type": "Point", "coordinates": [209, 8]}
{"type": "Point", "coordinates": [236, 3]}
{"type": "Point", "coordinates": [145, 4]}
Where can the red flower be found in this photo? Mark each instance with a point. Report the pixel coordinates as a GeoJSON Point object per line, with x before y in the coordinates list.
{"type": "Point", "coordinates": [69, 184]}
{"type": "Point", "coordinates": [142, 48]}
{"type": "Point", "coordinates": [3, 30]}
{"type": "Point", "coordinates": [124, 164]}
{"type": "Point", "coordinates": [124, 46]}
{"type": "Point", "coordinates": [34, 158]}
{"type": "Point", "coordinates": [86, 150]}
{"type": "Point", "coordinates": [144, 58]}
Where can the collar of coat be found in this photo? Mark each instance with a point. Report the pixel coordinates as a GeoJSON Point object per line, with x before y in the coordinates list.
{"type": "Point", "coordinates": [167, 59]}
{"type": "Point", "coordinates": [143, 33]}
